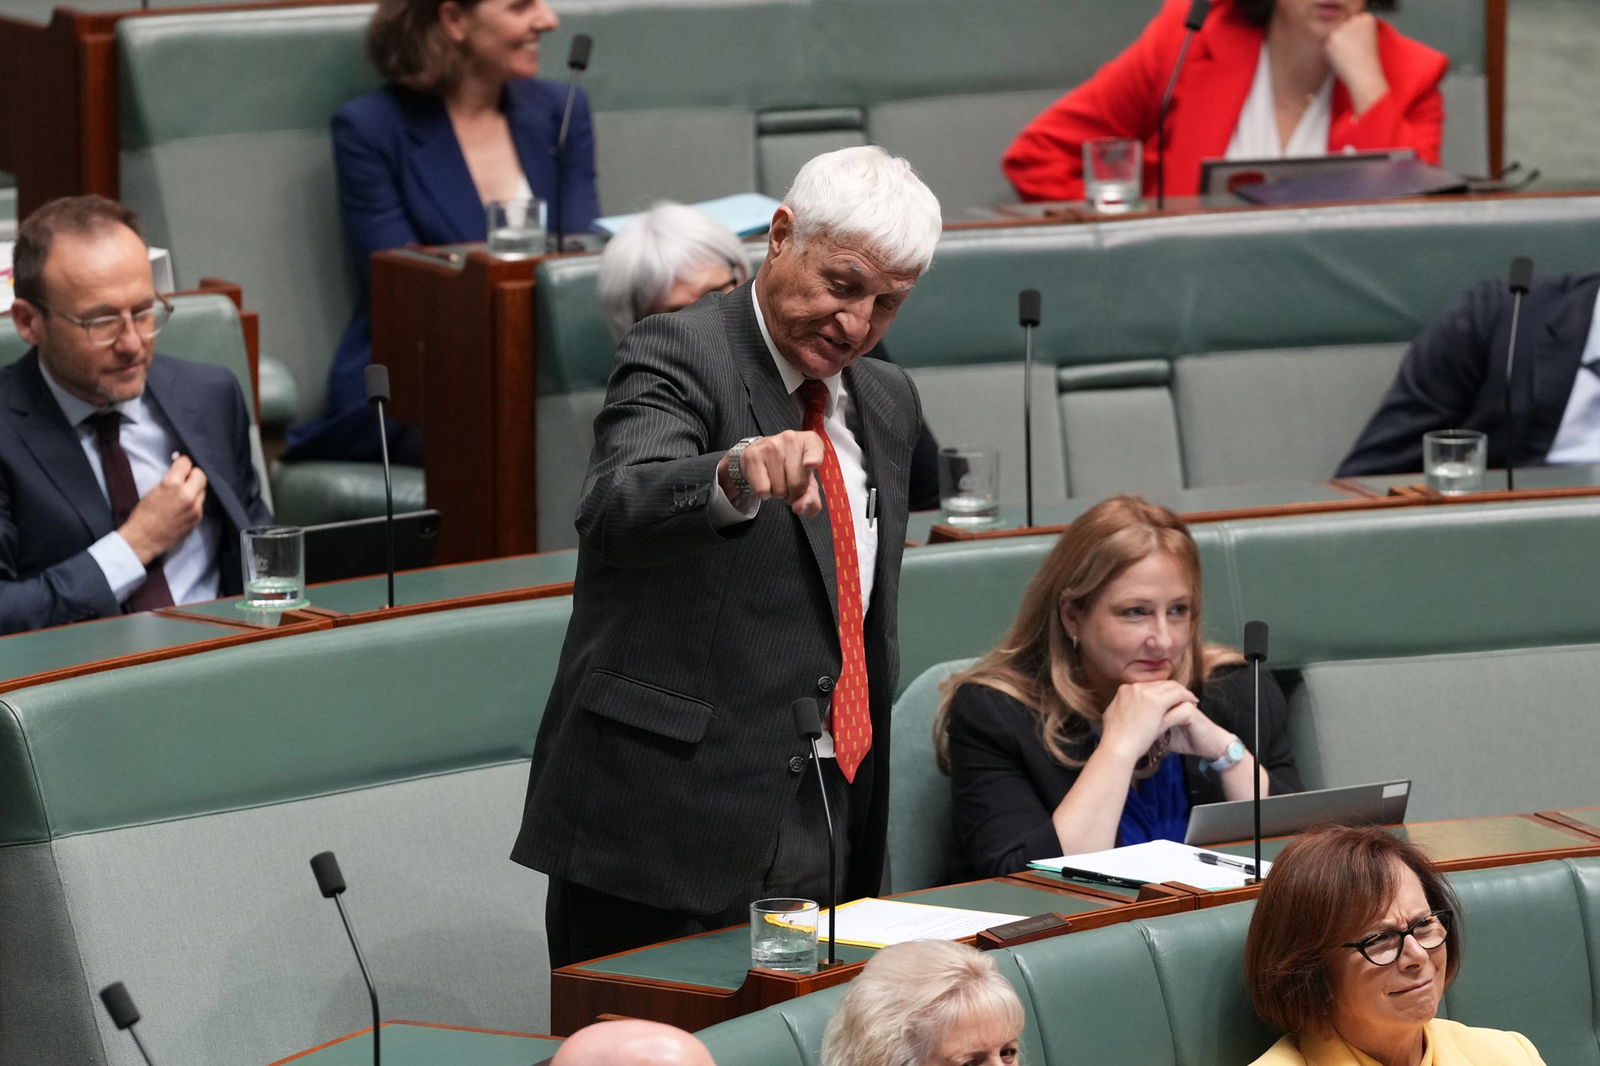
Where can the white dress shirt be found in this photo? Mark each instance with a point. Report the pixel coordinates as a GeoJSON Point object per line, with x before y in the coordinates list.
{"type": "Point", "coordinates": [1255, 136]}
{"type": "Point", "coordinates": [191, 567]}
{"type": "Point", "coordinates": [1578, 437]}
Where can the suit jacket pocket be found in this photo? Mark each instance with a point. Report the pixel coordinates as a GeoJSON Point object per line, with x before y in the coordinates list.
{"type": "Point", "coordinates": [646, 707]}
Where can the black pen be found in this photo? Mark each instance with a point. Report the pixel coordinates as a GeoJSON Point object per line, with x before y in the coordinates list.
{"type": "Point", "coordinates": [1213, 859]}
{"type": "Point", "coordinates": [1100, 878]}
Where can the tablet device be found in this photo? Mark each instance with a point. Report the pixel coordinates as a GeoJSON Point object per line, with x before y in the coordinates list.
{"type": "Point", "coordinates": [1379, 803]}
{"type": "Point", "coordinates": [359, 548]}
{"type": "Point", "coordinates": [1221, 176]}
{"type": "Point", "coordinates": [1389, 180]}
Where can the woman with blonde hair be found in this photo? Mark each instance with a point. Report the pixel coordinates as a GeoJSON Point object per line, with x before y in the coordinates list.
{"type": "Point", "coordinates": [1102, 718]}
{"type": "Point", "coordinates": [926, 1003]}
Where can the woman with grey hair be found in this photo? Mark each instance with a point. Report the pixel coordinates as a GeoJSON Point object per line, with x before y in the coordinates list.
{"type": "Point", "coordinates": [668, 258]}
{"type": "Point", "coordinates": [926, 1003]}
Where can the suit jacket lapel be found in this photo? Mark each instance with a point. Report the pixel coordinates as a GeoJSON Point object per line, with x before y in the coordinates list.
{"type": "Point", "coordinates": [1553, 362]}
{"type": "Point", "coordinates": [1211, 91]}
{"type": "Point", "coordinates": [440, 170]}
{"type": "Point", "coordinates": [54, 444]}
{"type": "Point", "coordinates": [180, 408]}
{"type": "Point", "coordinates": [774, 412]}
{"type": "Point", "coordinates": [532, 132]}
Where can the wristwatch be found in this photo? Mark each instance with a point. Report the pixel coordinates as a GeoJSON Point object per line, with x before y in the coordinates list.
{"type": "Point", "coordinates": [1229, 758]}
{"type": "Point", "coordinates": [735, 472]}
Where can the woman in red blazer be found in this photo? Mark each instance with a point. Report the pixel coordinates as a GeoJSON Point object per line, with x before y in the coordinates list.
{"type": "Point", "coordinates": [1384, 92]}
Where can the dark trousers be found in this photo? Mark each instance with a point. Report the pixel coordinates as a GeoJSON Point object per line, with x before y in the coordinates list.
{"type": "Point", "coordinates": [583, 923]}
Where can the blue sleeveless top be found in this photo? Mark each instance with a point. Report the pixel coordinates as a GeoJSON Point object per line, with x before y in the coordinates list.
{"type": "Point", "coordinates": [1157, 807]}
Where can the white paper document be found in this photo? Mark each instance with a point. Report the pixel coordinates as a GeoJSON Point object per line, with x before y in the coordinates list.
{"type": "Point", "coordinates": [746, 213]}
{"type": "Point", "coordinates": [1157, 861]}
{"type": "Point", "coordinates": [877, 923]}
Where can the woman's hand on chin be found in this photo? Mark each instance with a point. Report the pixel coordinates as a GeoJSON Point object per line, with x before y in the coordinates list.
{"type": "Point", "coordinates": [1352, 48]}
{"type": "Point", "coordinates": [1140, 712]}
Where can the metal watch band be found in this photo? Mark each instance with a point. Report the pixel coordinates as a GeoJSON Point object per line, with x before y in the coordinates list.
{"type": "Point", "coordinates": [735, 471]}
{"type": "Point", "coordinates": [1229, 758]}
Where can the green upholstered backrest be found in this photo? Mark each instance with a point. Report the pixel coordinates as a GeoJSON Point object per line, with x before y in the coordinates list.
{"type": "Point", "coordinates": [226, 158]}
{"type": "Point", "coordinates": [155, 822]}
{"type": "Point", "coordinates": [1532, 958]}
{"type": "Point", "coordinates": [923, 849]}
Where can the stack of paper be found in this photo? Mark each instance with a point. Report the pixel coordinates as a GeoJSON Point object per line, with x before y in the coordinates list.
{"type": "Point", "coordinates": [1155, 861]}
{"type": "Point", "coordinates": [877, 923]}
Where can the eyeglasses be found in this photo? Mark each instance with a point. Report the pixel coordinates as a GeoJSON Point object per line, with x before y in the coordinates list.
{"type": "Point", "coordinates": [1383, 948]}
{"type": "Point", "coordinates": [105, 330]}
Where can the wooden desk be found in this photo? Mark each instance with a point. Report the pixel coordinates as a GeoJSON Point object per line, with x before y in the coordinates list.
{"type": "Point", "coordinates": [456, 332]}
{"type": "Point", "coordinates": [426, 1044]}
{"type": "Point", "coordinates": [700, 980]}
{"type": "Point", "coordinates": [61, 652]}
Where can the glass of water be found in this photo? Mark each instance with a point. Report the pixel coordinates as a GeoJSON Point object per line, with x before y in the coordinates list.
{"type": "Point", "coordinates": [969, 485]}
{"type": "Point", "coordinates": [516, 228]}
{"type": "Point", "coordinates": [1453, 460]}
{"type": "Point", "coordinates": [274, 563]}
{"type": "Point", "coordinates": [783, 935]}
{"type": "Point", "coordinates": [1113, 174]}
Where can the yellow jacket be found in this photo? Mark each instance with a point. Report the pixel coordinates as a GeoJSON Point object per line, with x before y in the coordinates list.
{"type": "Point", "coordinates": [1448, 1044]}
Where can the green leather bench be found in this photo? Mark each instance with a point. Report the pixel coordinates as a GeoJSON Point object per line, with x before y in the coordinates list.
{"type": "Point", "coordinates": [1450, 645]}
{"type": "Point", "coordinates": [1240, 348]}
{"type": "Point", "coordinates": [156, 822]}
{"type": "Point", "coordinates": [1170, 991]}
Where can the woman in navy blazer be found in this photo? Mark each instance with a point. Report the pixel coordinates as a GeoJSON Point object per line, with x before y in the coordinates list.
{"type": "Point", "coordinates": [462, 121]}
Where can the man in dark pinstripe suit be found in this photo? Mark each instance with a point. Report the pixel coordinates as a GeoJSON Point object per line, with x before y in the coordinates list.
{"type": "Point", "coordinates": [669, 787]}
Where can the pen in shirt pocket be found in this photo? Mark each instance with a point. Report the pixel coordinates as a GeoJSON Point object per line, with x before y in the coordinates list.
{"type": "Point", "coordinates": [872, 507]}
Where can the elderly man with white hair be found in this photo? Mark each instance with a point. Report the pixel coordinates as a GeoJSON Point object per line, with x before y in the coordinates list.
{"type": "Point", "coordinates": [740, 534]}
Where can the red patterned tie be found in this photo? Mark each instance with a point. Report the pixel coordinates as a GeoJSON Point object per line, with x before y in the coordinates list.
{"type": "Point", "coordinates": [852, 718]}
{"type": "Point", "coordinates": [153, 591]}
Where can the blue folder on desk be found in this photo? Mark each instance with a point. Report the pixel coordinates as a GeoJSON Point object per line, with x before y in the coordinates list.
{"type": "Point", "coordinates": [1386, 179]}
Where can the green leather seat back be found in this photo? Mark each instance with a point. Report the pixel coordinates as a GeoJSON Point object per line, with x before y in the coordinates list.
{"type": "Point", "coordinates": [226, 158]}
{"type": "Point", "coordinates": [923, 850]}
{"type": "Point", "coordinates": [156, 821]}
{"type": "Point", "coordinates": [1529, 962]}
{"type": "Point", "coordinates": [786, 1034]}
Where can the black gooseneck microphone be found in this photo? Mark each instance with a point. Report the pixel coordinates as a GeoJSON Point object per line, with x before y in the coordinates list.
{"type": "Point", "coordinates": [808, 723]}
{"type": "Point", "coordinates": [330, 882]}
{"type": "Point", "coordinates": [124, 1014]}
{"type": "Point", "coordinates": [377, 381]}
{"type": "Point", "coordinates": [1028, 316]}
{"type": "Point", "coordinates": [1521, 281]}
{"type": "Point", "coordinates": [1255, 652]}
{"type": "Point", "coordinates": [1198, 10]}
{"type": "Point", "coordinates": [577, 63]}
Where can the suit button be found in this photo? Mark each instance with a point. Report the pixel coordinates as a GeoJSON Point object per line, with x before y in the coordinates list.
{"type": "Point", "coordinates": [797, 765]}
{"type": "Point", "coordinates": [824, 684]}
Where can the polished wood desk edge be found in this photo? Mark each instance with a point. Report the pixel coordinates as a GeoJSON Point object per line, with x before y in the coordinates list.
{"type": "Point", "coordinates": [941, 533]}
{"type": "Point", "coordinates": [228, 637]}
{"type": "Point", "coordinates": [1565, 822]}
{"type": "Point", "coordinates": [405, 1021]}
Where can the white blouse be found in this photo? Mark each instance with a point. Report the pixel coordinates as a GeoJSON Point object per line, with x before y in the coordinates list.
{"type": "Point", "coordinates": [1256, 134]}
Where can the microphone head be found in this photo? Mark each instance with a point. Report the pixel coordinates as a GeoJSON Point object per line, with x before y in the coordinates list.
{"type": "Point", "coordinates": [119, 1005]}
{"type": "Point", "coordinates": [329, 880]}
{"type": "Point", "coordinates": [1028, 307]}
{"type": "Point", "coordinates": [578, 55]}
{"type": "Point", "coordinates": [1198, 10]}
{"type": "Point", "coordinates": [807, 720]}
{"type": "Point", "coordinates": [377, 381]}
{"type": "Point", "coordinates": [1521, 274]}
{"type": "Point", "coordinates": [1255, 641]}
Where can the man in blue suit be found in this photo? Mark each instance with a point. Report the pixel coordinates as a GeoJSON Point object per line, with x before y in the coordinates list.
{"type": "Point", "coordinates": [125, 476]}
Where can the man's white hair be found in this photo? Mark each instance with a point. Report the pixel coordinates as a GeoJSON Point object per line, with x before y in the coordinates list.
{"type": "Point", "coordinates": [867, 194]}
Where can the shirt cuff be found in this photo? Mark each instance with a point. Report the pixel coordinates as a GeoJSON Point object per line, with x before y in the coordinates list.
{"type": "Point", "coordinates": [122, 569]}
{"type": "Point", "coordinates": [725, 512]}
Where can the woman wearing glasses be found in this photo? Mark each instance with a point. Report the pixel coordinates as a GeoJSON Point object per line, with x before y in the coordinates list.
{"type": "Point", "coordinates": [1352, 944]}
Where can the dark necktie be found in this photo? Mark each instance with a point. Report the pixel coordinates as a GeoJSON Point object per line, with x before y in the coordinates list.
{"type": "Point", "coordinates": [852, 717]}
{"type": "Point", "coordinates": [107, 426]}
